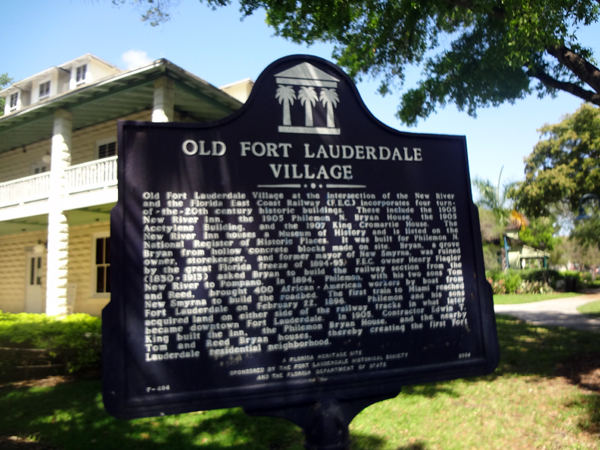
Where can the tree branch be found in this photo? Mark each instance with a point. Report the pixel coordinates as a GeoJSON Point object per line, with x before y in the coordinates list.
{"type": "Point", "coordinates": [582, 68]}
{"type": "Point", "coordinates": [496, 12]}
{"type": "Point", "coordinates": [571, 88]}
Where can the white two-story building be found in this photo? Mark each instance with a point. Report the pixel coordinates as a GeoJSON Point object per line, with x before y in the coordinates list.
{"type": "Point", "coordinates": [58, 172]}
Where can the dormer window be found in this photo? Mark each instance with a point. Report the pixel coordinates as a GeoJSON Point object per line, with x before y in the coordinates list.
{"type": "Point", "coordinates": [80, 74]}
{"type": "Point", "coordinates": [14, 100]}
{"type": "Point", "coordinates": [44, 89]}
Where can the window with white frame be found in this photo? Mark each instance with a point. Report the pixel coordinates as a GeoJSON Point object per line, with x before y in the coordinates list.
{"type": "Point", "coordinates": [80, 74]}
{"type": "Point", "coordinates": [44, 89]}
{"type": "Point", "coordinates": [14, 100]}
{"type": "Point", "coordinates": [101, 265]}
{"type": "Point", "coordinates": [106, 147]}
{"type": "Point", "coordinates": [39, 167]}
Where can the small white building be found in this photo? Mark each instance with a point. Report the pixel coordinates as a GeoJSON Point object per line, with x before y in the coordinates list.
{"type": "Point", "coordinates": [58, 172]}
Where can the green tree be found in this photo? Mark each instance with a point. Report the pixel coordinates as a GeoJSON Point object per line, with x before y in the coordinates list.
{"type": "Point", "coordinates": [540, 233]}
{"type": "Point", "coordinates": [4, 80]}
{"type": "Point", "coordinates": [574, 250]}
{"type": "Point", "coordinates": [493, 198]}
{"type": "Point", "coordinates": [473, 53]}
{"type": "Point", "coordinates": [491, 230]}
{"type": "Point", "coordinates": [587, 231]}
{"type": "Point", "coordinates": [564, 165]}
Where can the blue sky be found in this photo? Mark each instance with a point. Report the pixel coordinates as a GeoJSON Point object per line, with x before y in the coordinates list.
{"type": "Point", "coordinates": [220, 48]}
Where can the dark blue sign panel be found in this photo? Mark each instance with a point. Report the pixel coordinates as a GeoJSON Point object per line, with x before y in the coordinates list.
{"type": "Point", "coordinates": [296, 249]}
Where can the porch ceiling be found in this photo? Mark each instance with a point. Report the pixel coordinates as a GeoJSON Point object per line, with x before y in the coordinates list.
{"type": "Point", "coordinates": [24, 225]}
{"type": "Point", "coordinates": [76, 217]}
{"type": "Point", "coordinates": [116, 97]}
{"type": "Point", "coordinates": [87, 216]}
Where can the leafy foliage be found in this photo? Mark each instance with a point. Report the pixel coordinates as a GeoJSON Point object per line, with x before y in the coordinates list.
{"type": "Point", "coordinates": [564, 165]}
{"type": "Point", "coordinates": [494, 213]}
{"type": "Point", "coordinates": [4, 80]}
{"type": "Point", "coordinates": [493, 198]}
{"type": "Point", "coordinates": [540, 233]}
{"type": "Point", "coordinates": [473, 53]}
{"type": "Point", "coordinates": [74, 341]}
{"type": "Point", "coordinates": [587, 232]}
{"type": "Point", "coordinates": [572, 250]}
{"type": "Point", "coordinates": [512, 283]}
{"type": "Point", "coordinates": [157, 12]}
{"type": "Point", "coordinates": [537, 281]}
{"type": "Point", "coordinates": [571, 281]}
{"type": "Point", "coordinates": [491, 230]}
{"type": "Point", "coordinates": [491, 256]}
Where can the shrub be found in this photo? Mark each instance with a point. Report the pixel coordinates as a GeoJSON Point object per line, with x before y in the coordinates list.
{"type": "Point", "coordinates": [513, 281]}
{"type": "Point", "coordinates": [498, 286]}
{"type": "Point", "coordinates": [534, 287]}
{"type": "Point", "coordinates": [572, 280]}
{"type": "Point", "coordinates": [585, 277]}
{"type": "Point", "coordinates": [534, 281]}
{"type": "Point", "coordinates": [490, 257]}
{"type": "Point", "coordinates": [544, 275]}
{"type": "Point", "coordinates": [74, 341]}
{"type": "Point", "coordinates": [502, 282]}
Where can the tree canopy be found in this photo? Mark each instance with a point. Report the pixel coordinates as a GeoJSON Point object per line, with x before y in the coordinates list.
{"type": "Point", "coordinates": [587, 232]}
{"type": "Point", "coordinates": [493, 197]}
{"type": "Point", "coordinates": [473, 53]}
{"type": "Point", "coordinates": [4, 80]}
{"type": "Point", "coordinates": [540, 233]}
{"type": "Point", "coordinates": [564, 165]}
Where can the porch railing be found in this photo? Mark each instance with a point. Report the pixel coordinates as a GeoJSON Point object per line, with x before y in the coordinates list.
{"type": "Point", "coordinates": [89, 176]}
{"type": "Point", "coordinates": [97, 174]}
{"type": "Point", "coordinates": [23, 190]}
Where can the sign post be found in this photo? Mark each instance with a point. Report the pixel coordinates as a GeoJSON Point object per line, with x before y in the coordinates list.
{"type": "Point", "coordinates": [297, 258]}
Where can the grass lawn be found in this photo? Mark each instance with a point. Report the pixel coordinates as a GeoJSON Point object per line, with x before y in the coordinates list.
{"type": "Point", "coordinates": [591, 309]}
{"type": "Point", "coordinates": [513, 299]}
{"type": "Point", "coordinates": [526, 404]}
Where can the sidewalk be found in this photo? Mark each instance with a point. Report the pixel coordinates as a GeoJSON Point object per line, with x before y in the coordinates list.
{"type": "Point", "coordinates": [560, 312]}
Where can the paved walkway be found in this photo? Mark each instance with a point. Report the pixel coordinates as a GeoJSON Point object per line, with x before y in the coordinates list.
{"type": "Point", "coordinates": [560, 312]}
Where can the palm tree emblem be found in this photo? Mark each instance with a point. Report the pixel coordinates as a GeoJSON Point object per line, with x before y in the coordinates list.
{"type": "Point", "coordinates": [308, 98]}
{"type": "Point", "coordinates": [304, 82]}
{"type": "Point", "coordinates": [286, 96]}
{"type": "Point", "coordinates": [330, 99]}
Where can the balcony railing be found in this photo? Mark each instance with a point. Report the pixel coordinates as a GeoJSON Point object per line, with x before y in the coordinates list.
{"type": "Point", "coordinates": [23, 190]}
{"type": "Point", "coordinates": [89, 176]}
{"type": "Point", "coordinates": [92, 175]}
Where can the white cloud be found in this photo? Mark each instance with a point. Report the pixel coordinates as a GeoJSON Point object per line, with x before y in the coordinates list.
{"type": "Point", "coordinates": [135, 58]}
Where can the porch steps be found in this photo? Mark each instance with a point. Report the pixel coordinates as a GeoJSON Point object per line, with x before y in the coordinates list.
{"type": "Point", "coordinates": [17, 364]}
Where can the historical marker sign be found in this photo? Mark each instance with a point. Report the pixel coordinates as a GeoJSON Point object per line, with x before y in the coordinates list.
{"type": "Point", "coordinates": [295, 250]}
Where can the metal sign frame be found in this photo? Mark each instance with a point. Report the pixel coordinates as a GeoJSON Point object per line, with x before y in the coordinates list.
{"type": "Point", "coordinates": [294, 251]}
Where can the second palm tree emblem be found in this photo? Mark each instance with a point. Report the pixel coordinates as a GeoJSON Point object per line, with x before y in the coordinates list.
{"type": "Point", "coordinates": [308, 79]}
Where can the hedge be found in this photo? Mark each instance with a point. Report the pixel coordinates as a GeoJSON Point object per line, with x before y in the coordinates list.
{"type": "Point", "coordinates": [75, 342]}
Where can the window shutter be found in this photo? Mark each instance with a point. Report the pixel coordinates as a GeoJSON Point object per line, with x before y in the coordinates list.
{"type": "Point", "coordinates": [106, 150]}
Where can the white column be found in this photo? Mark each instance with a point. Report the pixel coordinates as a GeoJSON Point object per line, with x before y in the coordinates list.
{"type": "Point", "coordinates": [58, 228]}
{"type": "Point", "coordinates": [163, 109]}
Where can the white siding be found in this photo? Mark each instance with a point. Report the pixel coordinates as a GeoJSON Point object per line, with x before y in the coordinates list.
{"type": "Point", "coordinates": [81, 267]}
{"type": "Point", "coordinates": [17, 163]}
{"type": "Point", "coordinates": [13, 269]}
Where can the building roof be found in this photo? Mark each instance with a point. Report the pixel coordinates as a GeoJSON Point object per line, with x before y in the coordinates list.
{"type": "Point", "coordinates": [114, 97]}
{"type": "Point", "coordinates": [27, 82]}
